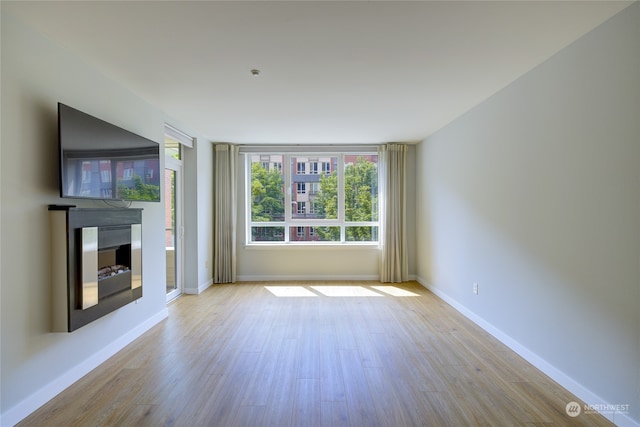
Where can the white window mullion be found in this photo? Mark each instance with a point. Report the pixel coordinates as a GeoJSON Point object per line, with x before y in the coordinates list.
{"type": "Point", "coordinates": [341, 200]}
{"type": "Point", "coordinates": [288, 199]}
{"type": "Point", "coordinates": [341, 214]}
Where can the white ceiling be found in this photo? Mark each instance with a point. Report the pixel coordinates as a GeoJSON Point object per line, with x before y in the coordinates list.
{"type": "Point", "coordinates": [331, 71]}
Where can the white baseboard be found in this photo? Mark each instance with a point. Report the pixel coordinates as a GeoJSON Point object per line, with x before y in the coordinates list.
{"type": "Point", "coordinates": [201, 288]}
{"type": "Point", "coordinates": [247, 278]}
{"type": "Point", "coordinates": [621, 420]}
{"type": "Point", "coordinates": [20, 411]}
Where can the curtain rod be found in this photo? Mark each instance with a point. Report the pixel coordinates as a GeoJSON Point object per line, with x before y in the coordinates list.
{"type": "Point", "coordinates": [308, 148]}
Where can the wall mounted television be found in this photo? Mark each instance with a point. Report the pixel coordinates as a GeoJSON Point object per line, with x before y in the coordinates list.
{"type": "Point", "coordinates": [99, 160]}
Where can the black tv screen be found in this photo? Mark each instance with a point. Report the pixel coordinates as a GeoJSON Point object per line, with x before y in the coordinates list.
{"type": "Point", "coordinates": [99, 160]}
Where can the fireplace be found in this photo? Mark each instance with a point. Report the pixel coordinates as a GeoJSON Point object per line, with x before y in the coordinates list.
{"type": "Point", "coordinates": [114, 260]}
{"type": "Point", "coordinates": [97, 263]}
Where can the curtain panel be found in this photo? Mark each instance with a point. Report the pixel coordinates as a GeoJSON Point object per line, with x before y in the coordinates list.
{"type": "Point", "coordinates": [224, 213]}
{"type": "Point", "coordinates": [394, 263]}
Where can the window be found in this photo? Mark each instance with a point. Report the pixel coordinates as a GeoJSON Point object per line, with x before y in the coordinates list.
{"type": "Point", "coordinates": [302, 167]}
{"type": "Point", "coordinates": [105, 174]}
{"type": "Point", "coordinates": [313, 168]}
{"type": "Point", "coordinates": [172, 147]}
{"type": "Point", "coordinates": [339, 205]}
{"type": "Point", "coordinates": [267, 192]}
{"type": "Point", "coordinates": [302, 187]}
{"type": "Point", "coordinates": [326, 168]}
{"type": "Point", "coordinates": [127, 174]}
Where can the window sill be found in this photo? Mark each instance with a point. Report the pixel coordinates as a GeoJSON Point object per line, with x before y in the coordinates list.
{"type": "Point", "coordinates": [312, 245]}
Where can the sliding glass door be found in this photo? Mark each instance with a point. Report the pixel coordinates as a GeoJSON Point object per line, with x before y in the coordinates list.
{"type": "Point", "coordinates": [173, 219]}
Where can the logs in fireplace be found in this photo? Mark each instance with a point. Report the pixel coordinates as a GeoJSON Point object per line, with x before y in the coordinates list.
{"type": "Point", "coordinates": [97, 265]}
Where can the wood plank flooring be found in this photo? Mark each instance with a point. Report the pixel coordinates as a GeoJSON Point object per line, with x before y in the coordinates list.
{"type": "Point", "coordinates": [238, 355]}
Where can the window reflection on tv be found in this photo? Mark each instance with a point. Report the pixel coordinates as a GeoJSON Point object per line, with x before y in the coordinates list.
{"type": "Point", "coordinates": [101, 161]}
{"type": "Point", "coordinates": [113, 179]}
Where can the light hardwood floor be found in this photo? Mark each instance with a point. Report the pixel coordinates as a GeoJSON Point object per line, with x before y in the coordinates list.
{"type": "Point", "coordinates": [238, 355]}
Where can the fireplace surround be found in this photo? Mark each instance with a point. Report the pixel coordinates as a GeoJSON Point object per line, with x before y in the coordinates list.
{"type": "Point", "coordinates": [96, 263]}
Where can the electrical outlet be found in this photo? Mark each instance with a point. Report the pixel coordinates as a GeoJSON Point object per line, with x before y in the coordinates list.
{"type": "Point", "coordinates": [475, 289]}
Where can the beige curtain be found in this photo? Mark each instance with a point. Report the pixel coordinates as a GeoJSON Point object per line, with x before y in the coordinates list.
{"type": "Point", "coordinates": [224, 213]}
{"type": "Point", "coordinates": [394, 264]}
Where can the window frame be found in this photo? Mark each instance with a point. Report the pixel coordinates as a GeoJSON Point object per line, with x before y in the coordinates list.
{"type": "Point", "coordinates": [301, 187]}
{"type": "Point", "coordinates": [313, 167]}
{"type": "Point", "coordinates": [289, 220]}
{"type": "Point", "coordinates": [301, 168]}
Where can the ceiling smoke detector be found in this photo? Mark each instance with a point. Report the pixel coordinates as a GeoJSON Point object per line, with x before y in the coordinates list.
{"type": "Point", "coordinates": [255, 72]}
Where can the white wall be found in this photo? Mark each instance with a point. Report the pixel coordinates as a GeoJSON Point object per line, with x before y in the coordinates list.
{"type": "Point", "coordinates": [535, 195]}
{"type": "Point", "coordinates": [198, 224]}
{"type": "Point", "coordinates": [36, 75]}
{"type": "Point", "coordinates": [316, 262]}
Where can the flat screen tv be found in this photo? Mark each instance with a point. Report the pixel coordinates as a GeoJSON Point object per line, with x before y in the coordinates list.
{"type": "Point", "coordinates": [99, 160]}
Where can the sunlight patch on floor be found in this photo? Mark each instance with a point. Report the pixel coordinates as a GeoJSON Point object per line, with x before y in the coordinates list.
{"type": "Point", "coordinates": [339, 291]}
{"type": "Point", "coordinates": [346, 291]}
{"type": "Point", "coordinates": [290, 291]}
{"type": "Point", "coordinates": [395, 291]}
